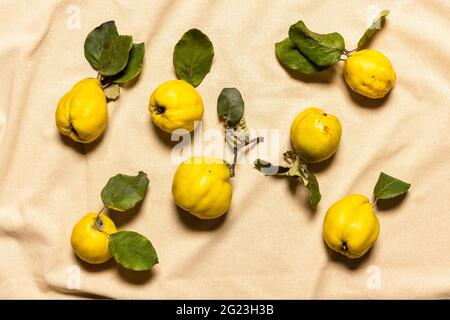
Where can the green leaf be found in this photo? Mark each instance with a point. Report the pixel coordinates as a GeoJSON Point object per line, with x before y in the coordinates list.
{"type": "Point", "coordinates": [291, 57]}
{"type": "Point", "coordinates": [230, 106]}
{"type": "Point", "coordinates": [134, 65]}
{"type": "Point", "coordinates": [295, 170]}
{"type": "Point", "coordinates": [97, 40]}
{"type": "Point", "coordinates": [112, 92]}
{"type": "Point", "coordinates": [310, 182]}
{"type": "Point", "coordinates": [132, 250]}
{"type": "Point", "coordinates": [192, 57]}
{"type": "Point", "coordinates": [314, 192]}
{"type": "Point", "coordinates": [123, 192]}
{"type": "Point", "coordinates": [322, 49]}
{"type": "Point", "coordinates": [115, 55]}
{"type": "Point", "coordinates": [376, 24]}
{"type": "Point", "coordinates": [268, 169]}
{"type": "Point", "coordinates": [388, 187]}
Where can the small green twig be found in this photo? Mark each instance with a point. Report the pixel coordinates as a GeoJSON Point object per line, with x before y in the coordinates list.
{"type": "Point", "coordinates": [233, 166]}
{"type": "Point", "coordinates": [237, 148]}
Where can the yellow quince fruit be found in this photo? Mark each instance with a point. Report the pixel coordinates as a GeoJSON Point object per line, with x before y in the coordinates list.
{"type": "Point", "coordinates": [315, 135]}
{"type": "Point", "coordinates": [82, 113]}
{"type": "Point", "coordinates": [90, 238]}
{"type": "Point", "coordinates": [175, 105]}
{"type": "Point", "coordinates": [370, 73]}
{"type": "Point", "coordinates": [201, 186]}
{"type": "Point", "coordinates": [351, 226]}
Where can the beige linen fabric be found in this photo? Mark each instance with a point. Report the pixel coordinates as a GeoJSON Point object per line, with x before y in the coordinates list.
{"type": "Point", "coordinates": [269, 245]}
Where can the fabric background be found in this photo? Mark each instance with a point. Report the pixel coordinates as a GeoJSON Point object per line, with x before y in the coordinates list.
{"type": "Point", "coordinates": [269, 245]}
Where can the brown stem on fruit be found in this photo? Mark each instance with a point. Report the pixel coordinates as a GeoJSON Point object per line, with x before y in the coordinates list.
{"type": "Point", "coordinates": [237, 148]}
{"type": "Point", "coordinates": [107, 84]}
{"type": "Point", "coordinates": [98, 224]}
{"type": "Point", "coordinates": [344, 246]}
{"type": "Point", "coordinates": [101, 210]}
{"type": "Point", "coordinates": [374, 202]}
{"type": "Point", "coordinates": [349, 52]}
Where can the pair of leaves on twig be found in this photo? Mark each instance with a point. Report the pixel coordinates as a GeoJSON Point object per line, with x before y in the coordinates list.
{"type": "Point", "coordinates": [309, 52]}
{"type": "Point", "coordinates": [230, 109]}
{"type": "Point", "coordinates": [298, 170]}
{"type": "Point", "coordinates": [193, 56]}
{"type": "Point", "coordinates": [387, 187]}
{"type": "Point", "coordinates": [130, 249]}
{"type": "Point", "coordinates": [114, 56]}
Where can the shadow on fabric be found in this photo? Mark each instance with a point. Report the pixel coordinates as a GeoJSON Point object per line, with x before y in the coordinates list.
{"type": "Point", "coordinates": [196, 224]}
{"type": "Point", "coordinates": [129, 276]}
{"type": "Point", "coordinates": [351, 264]}
{"type": "Point", "coordinates": [82, 148]}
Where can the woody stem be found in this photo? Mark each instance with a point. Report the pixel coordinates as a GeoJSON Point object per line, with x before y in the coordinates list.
{"type": "Point", "coordinates": [349, 52]}
{"type": "Point", "coordinates": [101, 210]}
{"type": "Point", "coordinates": [237, 148]}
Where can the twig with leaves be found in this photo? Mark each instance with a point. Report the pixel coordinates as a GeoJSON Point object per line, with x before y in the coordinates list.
{"type": "Point", "coordinates": [115, 57]}
{"type": "Point", "coordinates": [309, 52]}
{"type": "Point", "coordinates": [230, 108]}
{"type": "Point", "coordinates": [296, 169]}
{"type": "Point", "coordinates": [130, 249]}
